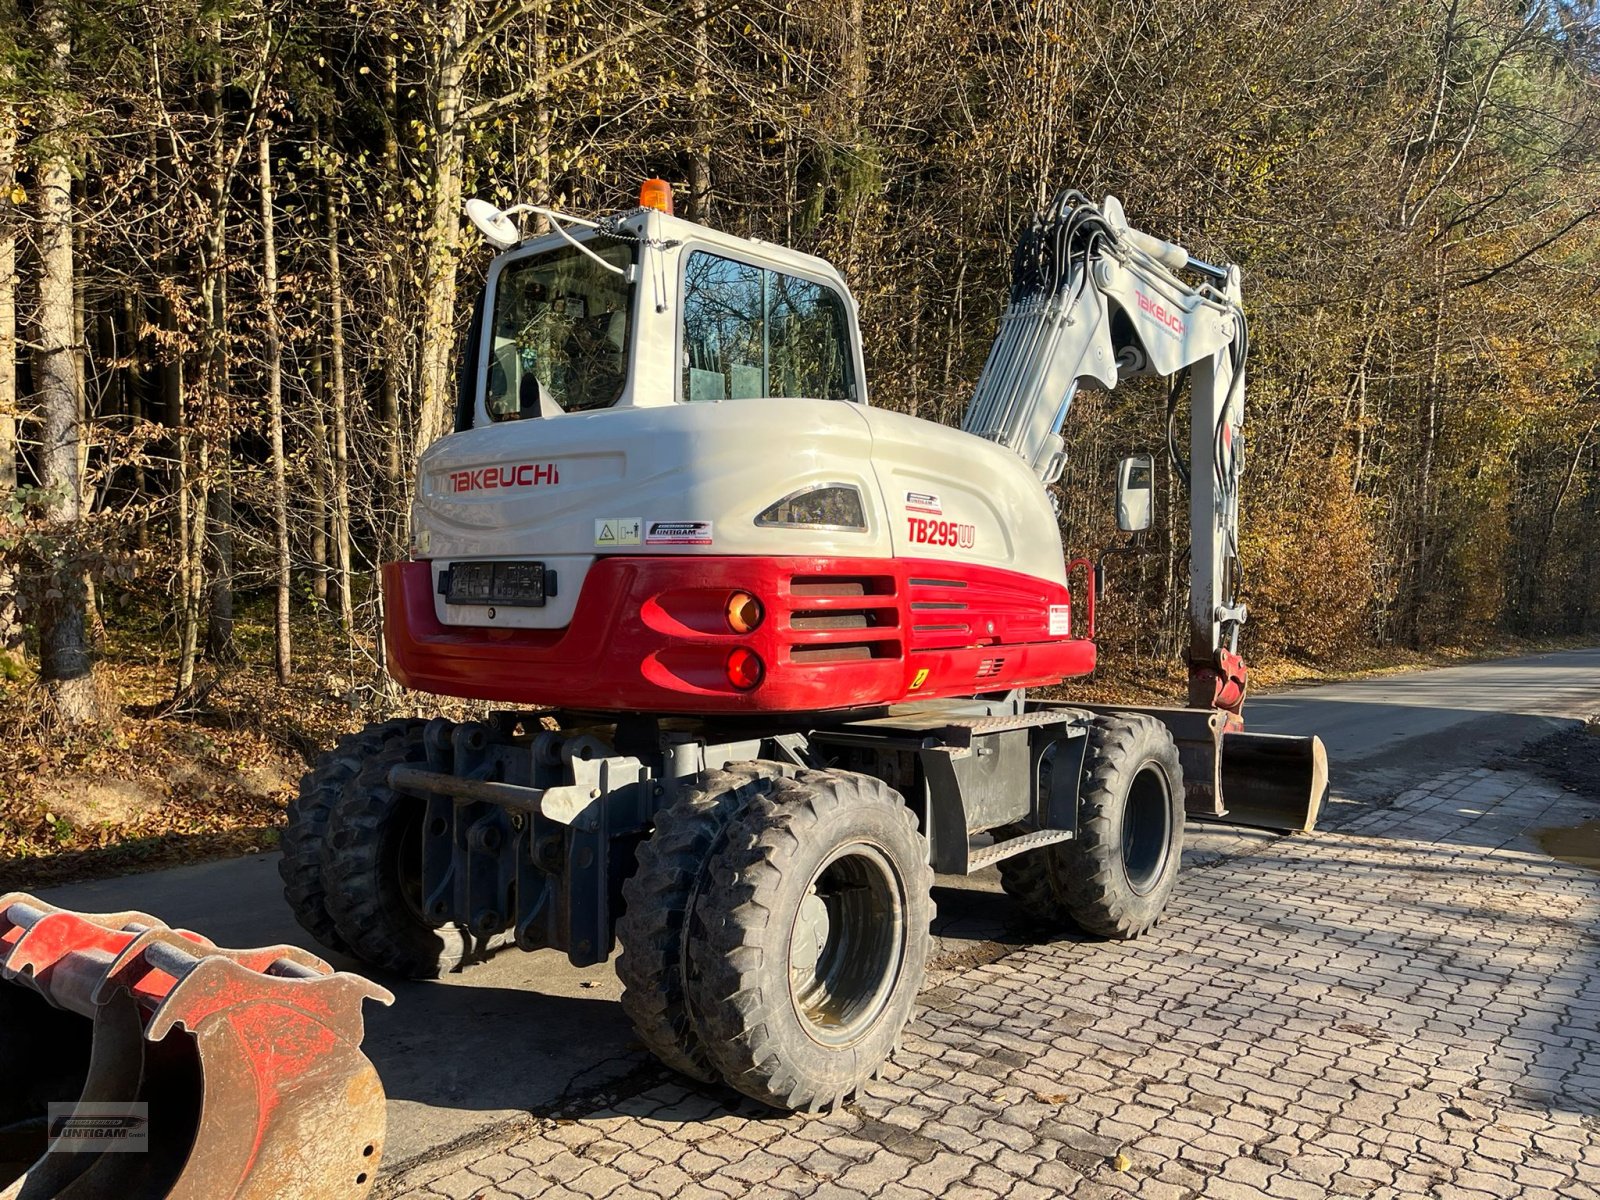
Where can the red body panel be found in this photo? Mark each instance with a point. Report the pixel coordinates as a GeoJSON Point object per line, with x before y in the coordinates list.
{"type": "Point", "coordinates": [650, 634]}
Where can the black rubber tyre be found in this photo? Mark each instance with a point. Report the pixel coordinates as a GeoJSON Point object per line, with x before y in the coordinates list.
{"type": "Point", "coordinates": [1115, 878]}
{"type": "Point", "coordinates": [809, 940]}
{"type": "Point", "coordinates": [373, 893]}
{"type": "Point", "coordinates": [306, 832]}
{"type": "Point", "coordinates": [1029, 879]}
{"type": "Point", "coordinates": [653, 929]}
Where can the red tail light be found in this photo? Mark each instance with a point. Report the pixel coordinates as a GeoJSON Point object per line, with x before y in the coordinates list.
{"type": "Point", "coordinates": [744, 668]}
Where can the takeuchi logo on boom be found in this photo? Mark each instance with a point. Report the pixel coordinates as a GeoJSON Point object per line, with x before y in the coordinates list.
{"type": "Point", "coordinates": [1170, 321]}
{"type": "Point", "coordinates": [521, 475]}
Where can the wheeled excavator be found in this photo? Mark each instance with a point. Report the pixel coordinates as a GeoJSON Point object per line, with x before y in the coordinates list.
{"type": "Point", "coordinates": [760, 652]}
{"type": "Point", "coordinates": [758, 656]}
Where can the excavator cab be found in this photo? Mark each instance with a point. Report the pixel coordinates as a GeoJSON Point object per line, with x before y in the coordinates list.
{"type": "Point", "coordinates": [643, 310]}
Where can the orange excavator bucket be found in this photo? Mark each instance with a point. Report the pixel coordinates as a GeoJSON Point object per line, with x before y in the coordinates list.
{"type": "Point", "coordinates": [140, 1061]}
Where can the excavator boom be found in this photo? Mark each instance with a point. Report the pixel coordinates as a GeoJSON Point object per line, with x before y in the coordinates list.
{"type": "Point", "coordinates": [1094, 302]}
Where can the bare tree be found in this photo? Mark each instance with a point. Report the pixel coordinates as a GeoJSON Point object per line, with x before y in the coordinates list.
{"type": "Point", "coordinates": [339, 406]}
{"type": "Point", "coordinates": [65, 665]}
{"type": "Point", "coordinates": [10, 618]}
{"type": "Point", "coordinates": [273, 338]}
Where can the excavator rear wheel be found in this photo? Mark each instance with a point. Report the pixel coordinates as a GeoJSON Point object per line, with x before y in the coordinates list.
{"type": "Point", "coordinates": [372, 861]}
{"type": "Point", "coordinates": [1115, 878]}
{"type": "Point", "coordinates": [306, 832]}
{"type": "Point", "coordinates": [654, 928]}
{"type": "Point", "coordinates": [809, 939]}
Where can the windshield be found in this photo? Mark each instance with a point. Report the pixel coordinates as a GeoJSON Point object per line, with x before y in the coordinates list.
{"type": "Point", "coordinates": [559, 333]}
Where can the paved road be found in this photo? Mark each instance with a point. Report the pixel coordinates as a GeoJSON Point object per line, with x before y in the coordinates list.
{"type": "Point", "coordinates": [1405, 1010]}
{"type": "Point", "coordinates": [519, 1033]}
{"type": "Point", "coordinates": [1383, 733]}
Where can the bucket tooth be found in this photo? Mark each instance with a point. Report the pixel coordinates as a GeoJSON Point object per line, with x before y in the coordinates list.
{"type": "Point", "coordinates": [249, 1062]}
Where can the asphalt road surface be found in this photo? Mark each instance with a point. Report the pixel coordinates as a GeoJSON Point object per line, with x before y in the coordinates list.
{"type": "Point", "coordinates": [1383, 734]}
{"type": "Point", "coordinates": [519, 1033]}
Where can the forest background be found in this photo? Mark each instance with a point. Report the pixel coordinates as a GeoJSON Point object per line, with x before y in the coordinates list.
{"type": "Point", "coordinates": [234, 273]}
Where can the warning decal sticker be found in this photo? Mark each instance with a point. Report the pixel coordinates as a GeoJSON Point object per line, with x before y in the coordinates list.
{"type": "Point", "coordinates": [678, 533]}
{"type": "Point", "coordinates": [1060, 620]}
{"type": "Point", "coordinates": [924, 502]}
{"type": "Point", "coordinates": [617, 531]}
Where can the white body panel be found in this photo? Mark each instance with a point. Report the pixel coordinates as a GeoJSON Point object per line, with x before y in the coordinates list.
{"type": "Point", "coordinates": [572, 475]}
{"type": "Point", "coordinates": [974, 482]}
{"type": "Point", "coordinates": [566, 488]}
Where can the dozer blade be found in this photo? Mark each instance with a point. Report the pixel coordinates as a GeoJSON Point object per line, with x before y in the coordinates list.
{"type": "Point", "coordinates": [1273, 780]}
{"type": "Point", "coordinates": [139, 1061]}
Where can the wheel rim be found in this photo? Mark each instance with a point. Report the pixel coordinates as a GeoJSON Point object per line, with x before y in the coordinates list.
{"type": "Point", "coordinates": [1146, 829]}
{"type": "Point", "coordinates": [847, 944]}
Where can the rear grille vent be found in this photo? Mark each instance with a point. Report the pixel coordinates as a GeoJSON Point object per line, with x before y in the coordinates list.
{"type": "Point", "coordinates": [843, 618]}
{"type": "Point", "coordinates": [810, 619]}
{"type": "Point", "coordinates": [990, 667]}
{"type": "Point", "coordinates": [844, 652]}
{"type": "Point", "coordinates": [942, 613]}
{"type": "Point", "coordinates": [841, 585]}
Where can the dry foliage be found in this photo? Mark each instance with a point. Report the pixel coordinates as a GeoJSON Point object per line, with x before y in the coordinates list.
{"type": "Point", "coordinates": [269, 275]}
{"type": "Point", "coordinates": [1309, 567]}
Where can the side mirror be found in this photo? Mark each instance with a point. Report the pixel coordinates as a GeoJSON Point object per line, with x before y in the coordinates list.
{"type": "Point", "coordinates": [1136, 493]}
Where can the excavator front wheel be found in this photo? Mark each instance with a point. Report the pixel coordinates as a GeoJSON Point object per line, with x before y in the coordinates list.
{"type": "Point", "coordinates": [1116, 876]}
{"type": "Point", "coordinates": [810, 938]}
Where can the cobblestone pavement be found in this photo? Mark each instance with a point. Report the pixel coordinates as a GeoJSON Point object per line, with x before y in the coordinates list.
{"type": "Point", "coordinates": [1408, 1007]}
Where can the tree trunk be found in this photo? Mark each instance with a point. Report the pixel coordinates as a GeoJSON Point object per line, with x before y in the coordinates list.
{"type": "Point", "coordinates": [194, 499]}
{"type": "Point", "coordinates": [1421, 632]}
{"type": "Point", "coordinates": [441, 237]}
{"type": "Point", "coordinates": [853, 64]}
{"type": "Point", "coordinates": [65, 665]}
{"type": "Point", "coordinates": [340, 414]}
{"type": "Point", "coordinates": [700, 121]}
{"type": "Point", "coordinates": [174, 397]}
{"type": "Point", "coordinates": [321, 471]}
{"type": "Point", "coordinates": [394, 522]}
{"type": "Point", "coordinates": [219, 513]}
{"type": "Point", "coordinates": [219, 420]}
{"type": "Point", "coordinates": [93, 623]}
{"type": "Point", "coordinates": [273, 347]}
{"type": "Point", "coordinates": [10, 620]}
{"type": "Point", "coordinates": [135, 403]}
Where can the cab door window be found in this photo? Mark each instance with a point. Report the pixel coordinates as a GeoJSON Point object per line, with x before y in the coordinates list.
{"type": "Point", "coordinates": [749, 332]}
{"type": "Point", "coordinates": [560, 332]}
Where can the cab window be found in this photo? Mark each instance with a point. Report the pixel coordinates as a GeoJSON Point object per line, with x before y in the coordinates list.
{"type": "Point", "coordinates": [749, 332]}
{"type": "Point", "coordinates": [560, 333]}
